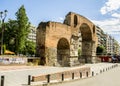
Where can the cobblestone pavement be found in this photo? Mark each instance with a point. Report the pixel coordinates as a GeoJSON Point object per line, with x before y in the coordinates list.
{"type": "Point", "coordinates": [108, 78]}
{"type": "Point", "coordinates": [18, 75]}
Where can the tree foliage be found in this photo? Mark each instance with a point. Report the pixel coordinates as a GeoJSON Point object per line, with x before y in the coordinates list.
{"type": "Point", "coordinates": [10, 35]}
{"type": "Point", "coordinates": [100, 50]}
{"type": "Point", "coordinates": [23, 29]}
{"type": "Point", "coordinates": [16, 33]}
{"type": "Point", "coordinates": [29, 48]}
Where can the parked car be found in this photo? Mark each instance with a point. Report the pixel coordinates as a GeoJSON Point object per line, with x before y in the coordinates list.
{"type": "Point", "coordinates": [114, 59]}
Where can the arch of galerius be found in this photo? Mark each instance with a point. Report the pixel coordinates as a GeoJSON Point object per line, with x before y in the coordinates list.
{"type": "Point", "coordinates": [58, 43]}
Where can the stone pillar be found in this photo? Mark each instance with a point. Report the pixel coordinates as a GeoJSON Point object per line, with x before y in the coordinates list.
{"type": "Point", "coordinates": [74, 50]}
{"type": "Point", "coordinates": [86, 51]}
{"type": "Point", "coordinates": [73, 61]}
{"type": "Point", "coordinates": [93, 51]}
{"type": "Point", "coordinates": [51, 56]}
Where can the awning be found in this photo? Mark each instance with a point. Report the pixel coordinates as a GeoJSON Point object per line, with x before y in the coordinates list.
{"type": "Point", "coordinates": [9, 52]}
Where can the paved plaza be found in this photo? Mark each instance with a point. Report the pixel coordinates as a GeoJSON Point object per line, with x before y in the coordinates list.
{"type": "Point", "coordinates": [18, 75]}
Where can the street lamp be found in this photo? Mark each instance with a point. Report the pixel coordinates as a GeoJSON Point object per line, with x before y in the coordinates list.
{"type": "Point", "coordinates": [2, 16]}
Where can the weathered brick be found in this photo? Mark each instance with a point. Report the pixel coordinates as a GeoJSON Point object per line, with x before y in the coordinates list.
{"type": "Point", "coordinates": [57, 43]}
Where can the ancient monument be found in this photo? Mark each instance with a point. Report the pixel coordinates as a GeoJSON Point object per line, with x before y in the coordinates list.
{"type": "Point", "coordinates": [58, 43]}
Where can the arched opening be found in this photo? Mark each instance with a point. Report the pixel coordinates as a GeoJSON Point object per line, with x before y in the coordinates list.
{"type": "Point", "coordinates": [63, 52]}
{"type": "Point", "coordinates": [86, 42]}
{"type": "Point", "coordinates": [93, 29]}
{"type": "Point", "coordinates": [75, 20]}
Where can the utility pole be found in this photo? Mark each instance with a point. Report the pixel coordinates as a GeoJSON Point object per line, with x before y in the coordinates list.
{"type": "Point", "coordinates": [2, 16]}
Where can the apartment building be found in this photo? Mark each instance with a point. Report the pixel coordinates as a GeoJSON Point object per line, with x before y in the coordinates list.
{"type": "Point", "coordinates": [32, 34]}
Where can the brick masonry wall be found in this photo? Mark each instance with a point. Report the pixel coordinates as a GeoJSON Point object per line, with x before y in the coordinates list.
{"type": "Point", "coordinates": [67, 74]}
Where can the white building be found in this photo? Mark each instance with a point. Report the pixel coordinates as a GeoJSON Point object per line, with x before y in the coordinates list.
{"type": "Point", "coordinates": [32, 34]}
{"type": "Point", "coordinates": [110, 45]}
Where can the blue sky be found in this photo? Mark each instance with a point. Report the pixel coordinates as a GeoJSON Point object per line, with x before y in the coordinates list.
{"type": "Point", "coordinates": [104, 13]}
{"type": "Point", "coordinates": [45, 10]}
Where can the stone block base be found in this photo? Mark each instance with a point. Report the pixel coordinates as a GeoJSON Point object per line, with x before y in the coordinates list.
{"type": "Point", "coordinates": [71, 73]}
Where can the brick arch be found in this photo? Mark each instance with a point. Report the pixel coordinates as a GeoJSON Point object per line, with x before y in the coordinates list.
{"type": "Point", "coordinates": [63, 52]}
{"type": "Point", "coordinates": [59, 36]}
{"type": "Point", "coordinates": [86, 35]}
{"type": "Point", "coordinates": [85, 32]}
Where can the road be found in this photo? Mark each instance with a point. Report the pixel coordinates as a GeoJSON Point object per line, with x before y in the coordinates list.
{"type": "Point", "coordinates": [108, 78]}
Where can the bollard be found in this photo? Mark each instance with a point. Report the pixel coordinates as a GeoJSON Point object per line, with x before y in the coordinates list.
{"type": "Point", "coordinates": [100, 71]}
{"type": "Point", "coordinates": [2, 80]}
{"type": "Point", "coordinates": [106, 69]}
{"type": "Point", "coordinates": [103, 70]}
{"type": "Point", "coordinates": [113, 66]}
{"type": "Point", "coordinates": [48, 78]}
{"type": "Point", "coordinates": [80, 74]}
{"type": "Point", "coordinates": [29, 79]}
{"type": "Point", "coordinates": [72, 75]}
{"type": "Point", "coordinates": [92, 73]}
{"type": "Point", "coordinates": [62, 77]}
{"type": "Point", "coordinates": [86, 74]}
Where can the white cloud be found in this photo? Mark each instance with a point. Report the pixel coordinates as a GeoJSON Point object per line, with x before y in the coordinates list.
{"type": "Point", "coordinates": [59, 19]}
{"type": "Point", "coordinates": [110, 26]}
{"type": "Point", "coordinates": [110, 5]}
{"type": "Point", "coordinates": [116, 15]}
{"type": "Point", "coordinates": [103, 10]}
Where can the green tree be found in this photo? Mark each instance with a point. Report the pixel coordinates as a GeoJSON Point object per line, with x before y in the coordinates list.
{"type": "Point", "coordinates": [10, 35]}
{"type": "Point", "coordinates": [23, 29]}
{"type": "Point", "coordinates": [16, 33]}
{"type": "Point", "coordinates": [29, 48]}
{"type": "Point", "coordinates": [100, 50]}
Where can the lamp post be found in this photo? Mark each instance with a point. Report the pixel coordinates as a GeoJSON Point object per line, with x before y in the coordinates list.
{"type": "Point", "coordinates": [2, 16]}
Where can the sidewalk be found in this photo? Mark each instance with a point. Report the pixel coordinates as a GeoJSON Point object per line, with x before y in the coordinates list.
{"type": "Point", "coordinates": [18, 75]}
{"type": "Point", "coordinates": [101, 67]}
{"type": "Point", "coordinates": [95, 69]}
